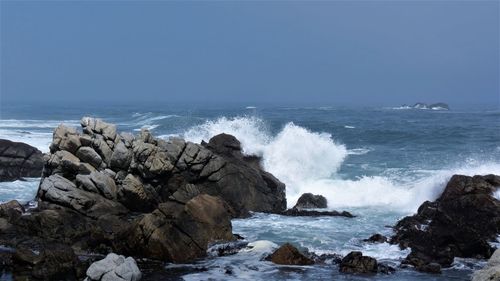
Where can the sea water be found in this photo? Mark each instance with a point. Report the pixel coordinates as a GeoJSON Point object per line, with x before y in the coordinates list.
{"type": "Point", "coordinates": [379, 163]}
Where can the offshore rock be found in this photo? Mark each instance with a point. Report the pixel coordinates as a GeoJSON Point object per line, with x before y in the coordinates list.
{"type": "Point", "coordinates": [311, 201]}
{"type": "Point", "coordinates": [19, 160]}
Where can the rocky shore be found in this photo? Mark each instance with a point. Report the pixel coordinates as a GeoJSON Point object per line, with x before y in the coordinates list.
{"type": "Point", "coordinates": [113, 204]}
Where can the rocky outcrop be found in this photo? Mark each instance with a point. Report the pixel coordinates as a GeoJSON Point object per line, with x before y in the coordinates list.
{"type": "Point", "coordinates": [19, 160]}
{"type": "Point", "coordinates": [114, 268]}
{"type": "Point", "coordinates": [460, 223]}
{"type": "Point", "coordinates": [289, 255]}
{"type": "Point", "coordinates": [311, 201]}
{"type": "Point", "coordinates": [103, 191]}
{"type": "Point", "coordinates": [491, 271]}
{"type": "Point", "coordinates": [355, 262]}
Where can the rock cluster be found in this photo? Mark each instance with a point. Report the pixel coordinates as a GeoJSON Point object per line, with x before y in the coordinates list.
{"type": "Point", "coordinates": [460, 223]}
{"type": "Point", "coordinates": [19, 160]}
{"type": "Point", "coordinates": [103, 191]}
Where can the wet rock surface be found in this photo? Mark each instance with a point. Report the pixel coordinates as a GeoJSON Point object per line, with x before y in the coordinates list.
{"type": "Point", "coordinates": [311, 201]}
{"type": "Point", "coordinates": [355, 262]}
{"type": "Point", "coordinates": [460, 223]}
{"type": "Point", "coordinates": [295, 212]}
{"type": "Point", "coordinates": [19, 160]}
{"type": "Point", "coordinates": [287, 254]}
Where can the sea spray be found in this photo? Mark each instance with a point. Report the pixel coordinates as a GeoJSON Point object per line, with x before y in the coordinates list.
{"type": "Point", "coordinates": [308, 161]}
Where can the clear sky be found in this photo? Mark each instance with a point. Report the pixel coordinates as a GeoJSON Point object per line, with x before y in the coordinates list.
{"type": "Point", "coordinates": [326, 52]}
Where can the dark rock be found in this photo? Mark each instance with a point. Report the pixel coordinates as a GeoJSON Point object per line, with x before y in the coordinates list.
{"type": "Point", "coordinates": [430, 268]}
{"type": "Point", "coordinates": [294, 212]}
{"type": "Point", "coordinates": [355, 262]}
{"type": "Point", "coordinates": [227, 248]}
{"type": "Point", "coordinates": [165, 233]}
{"type": "Point", "coordinates": [289, 255]}
{"type": "Point", "coordinates": [311, 201]}
{"type": "Point", "coordinates": [19, 160]}
{"type": "Point", "coordinates": [460, 223]}
{"type": "Point", "coordinates": [376, 238]}
{"type": "Point", "coordinates": [385, 269]}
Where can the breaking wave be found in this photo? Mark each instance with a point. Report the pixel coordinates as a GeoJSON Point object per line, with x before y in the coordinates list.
{"type": "Point", "coordinates": [308, 161]}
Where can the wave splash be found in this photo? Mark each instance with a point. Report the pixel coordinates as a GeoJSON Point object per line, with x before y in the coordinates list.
{"type": "Point", "coordinates": [308, 162]}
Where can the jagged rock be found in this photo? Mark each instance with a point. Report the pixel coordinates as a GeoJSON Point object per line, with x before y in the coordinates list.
{"type": "Point", "coordinates": [104, 183]}
{"type": "Point", "coordinates": [289, 255]}
{"type": "Point", "coordinates": [355, 262]}
{"type": "Point", "coordinates": [18, 160]}
{"type": "Point", "coordinates": [65, 138]}
{"type": "Point", "coordinates": [59, 190]}
{"type": "Point", "coordinates": [376, 238]}
{"type": "Point", "coordinates": [294, 212]}
{"type": "Point", "coordinates": [121, 157]}
{"type": "Point", "coordinates": [491, 272]}
{"type": "Point", "coordinates": [166, 232]}
{"type": "Point", "coordinates": [460, 223]}
{"type": "Point", "coordinates": [311, 201]}
{"type": "Point", "coordinates": [136, 196]}
{"type": "Point", "coordinates": [114, 268]}
{"type": "Point", "coordinates": [87, 154]}
{"type": "Point", "coordinates": [97, 126]}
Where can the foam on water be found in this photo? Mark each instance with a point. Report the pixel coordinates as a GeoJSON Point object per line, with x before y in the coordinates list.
{"type": "Point", "coordinates": [308, 162]}
{"type": "Point", "coordinates": [22, 191]}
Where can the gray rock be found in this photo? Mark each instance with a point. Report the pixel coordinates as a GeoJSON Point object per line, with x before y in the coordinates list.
{"type": "Point", "coordinates": [121, 157]}
{"type": "Point", "coordinates": [89, 155]}
{"type": "Point", "coordinates": [136, 196]}
{"type": "Point", "coordinates": [105, 184]}
{"type": "Point", "coordinates": [114, 268]}
{"type": "Point", "coordinates": [65, 138]}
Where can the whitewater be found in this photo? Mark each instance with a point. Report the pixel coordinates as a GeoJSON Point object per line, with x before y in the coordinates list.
{"type": "Point", "coordinates": [378, 163]}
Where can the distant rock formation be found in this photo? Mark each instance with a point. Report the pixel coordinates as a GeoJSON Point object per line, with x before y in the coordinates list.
{"type": "Point", "coordinates": [421, 105]}
{"type": "Point", "coordinates": [103, 191]}
{"type": "Point", "coordinates": [19, 160]}
{"type": "Point", "coordinates": [460, 223]}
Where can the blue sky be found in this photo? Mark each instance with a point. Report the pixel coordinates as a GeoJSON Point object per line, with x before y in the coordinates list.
{"type": "Point", "coordinates": [324, 52]}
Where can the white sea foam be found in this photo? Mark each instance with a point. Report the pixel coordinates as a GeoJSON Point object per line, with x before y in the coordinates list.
{"type": "Point", "coordinates": [308, 161]}
{"type": "Point", "coordinates": [349, 127]}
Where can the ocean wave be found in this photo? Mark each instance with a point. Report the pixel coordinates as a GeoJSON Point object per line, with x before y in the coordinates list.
{"type": "Point", "coordinates": [40, 140]}
{"type": "Point", "coordinates": [308, 161]}
{"type": "Point", "coordinates": [33, 123]}
{"type": "Point", "coordinates": [358, 151]}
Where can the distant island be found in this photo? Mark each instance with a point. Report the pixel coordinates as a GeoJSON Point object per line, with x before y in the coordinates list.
{"type": "Point", "coordinates": [421, 105]}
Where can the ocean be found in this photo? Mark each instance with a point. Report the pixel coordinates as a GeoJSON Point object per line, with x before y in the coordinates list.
{"type": "Point", "coordinates": [379, 163]}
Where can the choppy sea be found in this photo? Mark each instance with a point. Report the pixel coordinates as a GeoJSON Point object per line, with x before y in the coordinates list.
{"type": "Point", "coordinates": [380, 163]}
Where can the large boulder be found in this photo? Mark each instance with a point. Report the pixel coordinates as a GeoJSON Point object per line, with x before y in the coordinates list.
{"type": "Point", "coordinates": [311, 201]}
{"type": "Point", "coordinates": [181, 232]}
{"type": "Point", "coordinates": [355, 262]}
{"type": "Point", "coordinates": [19, 160]}
{"type": "Point", "coordinates": [114, 268]}
{"type": "Point", "coordinates": [289, 255]}
{"type": "Point", "coordinates": [460, 223]}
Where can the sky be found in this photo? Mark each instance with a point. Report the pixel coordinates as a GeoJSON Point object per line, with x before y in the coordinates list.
{"type": "Point", "coordinates": [279, 52]}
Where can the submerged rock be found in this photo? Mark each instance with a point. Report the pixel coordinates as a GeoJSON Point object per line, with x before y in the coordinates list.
{"type": "Point", "coordinates": [376, 238]}
{"type": "Point", "coordinates": [294, 212]}
{"type": "Point", "coordinates": [114, 268]}
{"type": "Point", "coordinates": [311, 201]}
{"type": "Point", "coordinates": [289, 255]}
{"type": "Point", "coordinates": [19, 160]}
{"type": "Point", "coordinates": [355, 262]}
{"type": "Point", "coordinates": [460, 223]}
